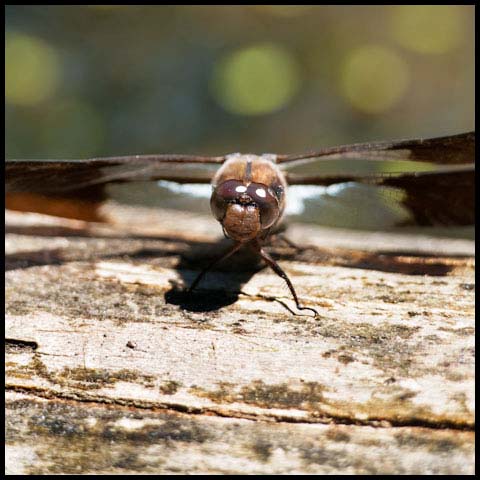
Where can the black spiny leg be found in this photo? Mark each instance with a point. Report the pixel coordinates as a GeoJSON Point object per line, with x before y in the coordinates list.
{"type": "Point", "coordinates": [279, 271]}
{"type": "Point", "coordinates": [227, 254]}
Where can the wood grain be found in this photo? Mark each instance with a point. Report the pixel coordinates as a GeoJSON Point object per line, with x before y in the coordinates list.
{"type": "Point", "coordinates": [110, 368]}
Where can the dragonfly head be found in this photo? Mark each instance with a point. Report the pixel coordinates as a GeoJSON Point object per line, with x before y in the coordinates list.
{"type": "Point", "coordinates": [244, 210]}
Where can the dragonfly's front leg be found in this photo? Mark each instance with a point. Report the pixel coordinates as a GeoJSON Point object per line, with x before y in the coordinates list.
{"type": "Point", "coordinates": [279, 271]}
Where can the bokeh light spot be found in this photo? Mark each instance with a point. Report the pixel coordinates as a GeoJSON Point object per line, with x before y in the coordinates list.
{"type": "Point", "coordinates": [255, 80]}
{"type": "Point", "coordinates": [429, 29]}
{"type": "Point", "coordinates": [32, 70]}
{"type": "Point", "coordinates": [374, 78]}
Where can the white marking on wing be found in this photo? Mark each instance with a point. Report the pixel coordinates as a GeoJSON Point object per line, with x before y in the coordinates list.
{"type": "Point", "coordinates": [297, 195]}
{"type": "Point", "coordinates": [346, 204]}
{"type": "Point", "coordinates": [199, 190]}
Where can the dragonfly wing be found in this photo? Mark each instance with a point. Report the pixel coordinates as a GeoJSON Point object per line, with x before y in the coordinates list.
{"type": "Point", "coordinates": [438, 198]}
{"type": "Point", "coordinates": [449, 150]}
{"type": "Point", "coordinates": [424, 198]}
{"type": "Point", "coordinates": [73, 188]}
{"type": "Point", "coordinates": [65, 175]}
{"type": "Point", "coordinates": [437, 189]}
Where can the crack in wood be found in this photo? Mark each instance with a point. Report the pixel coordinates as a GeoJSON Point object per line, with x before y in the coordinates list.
{"type": "Point", "coordinates": [265, 417]}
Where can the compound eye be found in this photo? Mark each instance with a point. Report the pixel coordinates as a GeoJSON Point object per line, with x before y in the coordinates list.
{"type": "Point", "coordinates": [225, 193]}
{"type": "Point", "coordinates": [230, 190]}
{"type": "Point", "coordinates": [267, 203]}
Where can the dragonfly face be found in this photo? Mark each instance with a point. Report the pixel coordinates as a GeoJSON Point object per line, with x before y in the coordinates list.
{"type": "Point", "coordinates": [248, 196]}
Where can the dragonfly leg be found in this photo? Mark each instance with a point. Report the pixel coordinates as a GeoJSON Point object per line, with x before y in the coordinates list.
{"type": "Point", "coordinates": [279, 271]}
{"type": "Point", "coordinates": [227, 254]}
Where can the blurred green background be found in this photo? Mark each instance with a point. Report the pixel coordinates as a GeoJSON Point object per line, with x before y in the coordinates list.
{"type": "Point", "coordinates": [105, 80]}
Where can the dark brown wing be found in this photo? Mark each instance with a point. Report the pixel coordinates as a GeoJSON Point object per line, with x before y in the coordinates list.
{"type": "Point", "coordinates": [450, 150]}
{"type": "Point", "coordinates": [443, 196]}
{"type": "Point", "coordinates": [66, 175]}
{"type": "Point", "coordinates": [75, 188]}
{"type": "Point", "coordinates": [438, 198]}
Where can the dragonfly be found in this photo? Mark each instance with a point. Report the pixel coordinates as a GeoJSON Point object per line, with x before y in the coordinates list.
{"type": "Point", "coordinates": [249, 193]}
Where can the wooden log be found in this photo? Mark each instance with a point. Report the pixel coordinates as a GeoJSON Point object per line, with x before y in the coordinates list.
{"type": "Point", "coordinates": [112, 368]}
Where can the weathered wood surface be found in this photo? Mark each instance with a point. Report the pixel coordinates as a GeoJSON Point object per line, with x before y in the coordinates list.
{"type": "Point", "coordinates": [111, 369]}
